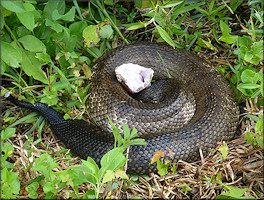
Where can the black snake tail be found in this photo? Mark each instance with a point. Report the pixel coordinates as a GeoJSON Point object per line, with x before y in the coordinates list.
{"type": "Point", "coordinates": [78, 135]}
{"type": "Point", "coordinates": [47, 112]}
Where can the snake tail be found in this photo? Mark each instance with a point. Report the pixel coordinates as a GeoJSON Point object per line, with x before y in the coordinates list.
{"type": "Point", "coordinates": [78, 135]}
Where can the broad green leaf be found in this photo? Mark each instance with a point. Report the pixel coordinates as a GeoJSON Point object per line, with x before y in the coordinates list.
{"type": "Point", "coordinates": [249, 136]}
{"type": "Point", "coordinates": [8, 149]}
{"type": "Point", "coordinates": [245, 41]}
{"type": "Point", "coordinates": [77, 28]}
{"type": "Point", "coordinates": [91, 35]}
{"type": "Point", "coordinates": [9, 132]}
{"type": "Point", "coordinates": [232, 194]}
{"type": "Point", "coordinates": [259, 126]}
{"type": "Point", "coordinates": [162, 168]}
{"type": "Point", "coordinates": [106, 32]}
{"type": "Point", "coordinates": [44, 58]}
{"type": "Point", "coordinates": [54, 5]}
{"type": "Point", "coordinates": [27, 19]}
{"type": "Point", "coordinates": [121, 174]}
{"type": "Point", "coordinates": [10, 55]}
{"type": "Point", "coordinates": [29, 7]}
{"type": "Point", "coordinates": [254, 53]}
{"type": "Point", "coordinates": [32, 43]}
{"type": "Point", "coordinates": [32, 67]}
{"type": "Point", "coordinates": [249, 76]}
{"type": "Point", "coordinates": [69, 16]}
{"type": "Point", "coordinates": [224, 150]}
{"type": "Point", "coordinates": [90, 177]}
{"type": "Point", "coordinates": [108, 176]}
{"type": "Point", "coordinates": [112, 160]}
{"type": "Point", "coordinates": [15, 6]}
{"type": "Point", "coordinates": [54, 25]}
{"type": "Point", "coordinates": [226, 37]}
{"type": "Point", "coordinates": [92, 166]}
{"type": "Point", "coordinates": [32, 190]}
{"type": "Point", "coordinates": [259, 140]}
{"type": "Point", "coordinates": [9, 184]}
{"type": "Point", "coordinates": [165, 35]}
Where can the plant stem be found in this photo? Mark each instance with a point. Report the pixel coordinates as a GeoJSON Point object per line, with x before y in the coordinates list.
{"type": "Point", "coordinates": [100, 6]}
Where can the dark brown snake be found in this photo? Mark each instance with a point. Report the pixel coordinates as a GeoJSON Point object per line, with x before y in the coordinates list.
{"type": "Point", "coordinates": [199, 110]}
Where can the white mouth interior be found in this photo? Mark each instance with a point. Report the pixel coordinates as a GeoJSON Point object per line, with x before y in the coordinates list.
{"type": "Point", "coordinates": [134, 77]}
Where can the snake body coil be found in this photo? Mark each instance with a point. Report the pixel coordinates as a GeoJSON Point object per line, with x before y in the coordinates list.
{"type": "Point", "coordinates": [199, 110]}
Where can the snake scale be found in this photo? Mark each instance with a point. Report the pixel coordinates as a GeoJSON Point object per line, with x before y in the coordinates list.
{"type": "Point", "coordinates": [198, 111]}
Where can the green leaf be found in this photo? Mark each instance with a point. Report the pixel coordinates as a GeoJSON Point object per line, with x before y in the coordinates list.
{"type": "Point", "coordinates": [108, 176]}
{"type": "Point", "coordinates": [169, 5]}
{"type": "Point", "coordinates": [254, 54]}
{"type": "Point", "coordinates": [69, 16]}
{"type": "Point", "coordinates": [6, 134]}
{"type": "Point", "coordinates": [92, 166]}
{"type": "Point", "coordinates": [226, 37]}
{"type": "Point", "coordinates": [133, 133]}
{"type": "Point", "coordinates": [162, 168]}
{"type": "Point", "coordinates": [206, 44]}
{"type": "Point", "coordinates": [44, 58]}
{"type": "Point", "coordinates": [245, 41]}
{"type": "Point", "coordinates": [91, 35]}
{"type": "Point", "coordinates": [9, 184]}
{"type": "Point", "coordinates": [233, 194]}
{"type": "Point", "coordinates": [126, 131]}
{"type": "Point", "coordinates": [259, 141]}
{"type": "Point", "coordinates": [259, 126]}
{"type": "Point", "coordinates": [8, 149]}
{"type": "Point", "coordinates": [10, 55]}
{"type": "Point", "coordinates": [112, 160]}
{"type": "Point", "coordinates": [106, 32]}
{"type": "Point", "coordinates": [137, 25]}
{"type": "Point", "coordinates": [249, 76]}
{"type": "Point", "coordinates": [224, 150]}
{"type": "Point", "coordinates": [32, 190]}
{"type": "Point", "coordinates": [248, 86]}
{"type": "Point", "coordinates": [15, 6]}
{"type": "Point", "coordinates": [165, 35]}
{"type": "Point", "coordinates": [32, 67]}
{"type": "Point", "coordinates": [27, 19]}
{"type": "Point", "coordinates": [77, 28]}
{"type": "Point", "coordinates": [32, 43]}
{"type": "Point", "coordinates": [249, 136]}
{"type": "Point", "coordinates": [138, 141]}
{"type": "Point", "coordinates": [121, 174]}
{"type": "Point", "coordinates": [54, 25]}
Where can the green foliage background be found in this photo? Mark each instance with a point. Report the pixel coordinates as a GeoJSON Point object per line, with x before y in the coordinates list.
{"type": "Point", "coordinates": [48, 47]}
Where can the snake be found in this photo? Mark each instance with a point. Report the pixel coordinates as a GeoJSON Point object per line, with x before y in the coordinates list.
{"type": "Point", "coordinates": [197, 111]}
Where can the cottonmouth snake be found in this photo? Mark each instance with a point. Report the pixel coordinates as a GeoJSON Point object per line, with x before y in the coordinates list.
{"type": "Point", "coordinates": [199, 111]}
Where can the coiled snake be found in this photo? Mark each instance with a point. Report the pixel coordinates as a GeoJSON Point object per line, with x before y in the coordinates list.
{"type": "Point", "coordinates": [199, 110]}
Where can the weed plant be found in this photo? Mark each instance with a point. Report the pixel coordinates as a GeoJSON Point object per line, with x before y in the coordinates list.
{"type": "Point", "coordinates": [47, 50]}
